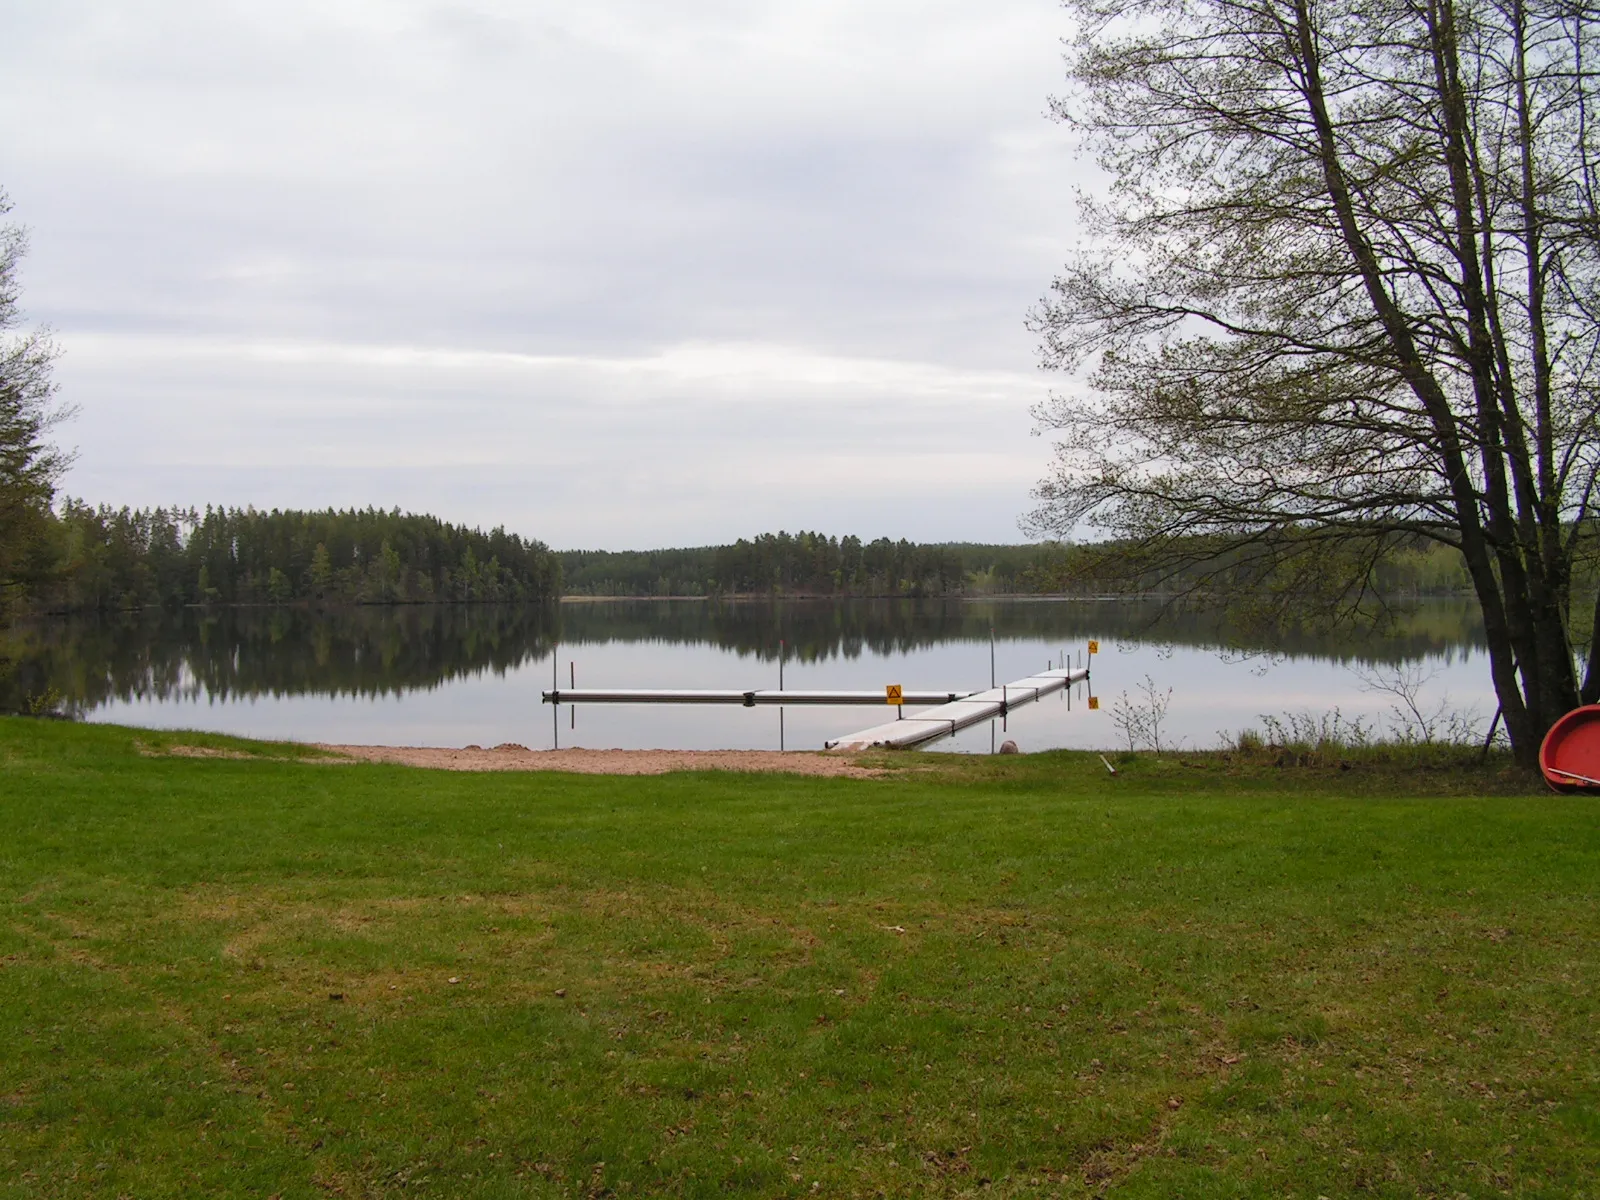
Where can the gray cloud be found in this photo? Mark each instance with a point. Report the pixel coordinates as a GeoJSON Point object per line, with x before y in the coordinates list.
{"type": "Point", "coordinates": [751, 265]}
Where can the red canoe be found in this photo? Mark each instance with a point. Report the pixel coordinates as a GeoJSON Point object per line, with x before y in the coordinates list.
{"type": "Point", "coordinates": [1570, 755]}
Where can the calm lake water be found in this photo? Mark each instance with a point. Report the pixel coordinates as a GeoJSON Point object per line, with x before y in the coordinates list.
{"type": "Point", "coordinates": [453, 676]}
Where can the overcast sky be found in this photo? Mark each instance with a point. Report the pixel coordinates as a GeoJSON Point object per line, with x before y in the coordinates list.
{"type": "Point", "coordinates": [613, 273]}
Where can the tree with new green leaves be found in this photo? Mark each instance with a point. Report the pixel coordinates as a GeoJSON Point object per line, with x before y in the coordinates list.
{"type": "Point", "coordinates": [1341, 294]}
{"type": "Point", "coordinates": [29, 464]}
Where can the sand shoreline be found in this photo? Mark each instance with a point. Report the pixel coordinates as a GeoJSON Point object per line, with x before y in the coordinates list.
{"type": "Point", "coordinates": [512, 757]}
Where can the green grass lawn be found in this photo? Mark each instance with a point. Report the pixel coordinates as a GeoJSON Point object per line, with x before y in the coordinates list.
{"type": "Point", "coordinates": [1010, 977]}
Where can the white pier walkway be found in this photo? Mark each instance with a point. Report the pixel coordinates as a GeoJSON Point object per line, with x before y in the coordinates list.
{"type": "Point", "coordinates": [958, 713]}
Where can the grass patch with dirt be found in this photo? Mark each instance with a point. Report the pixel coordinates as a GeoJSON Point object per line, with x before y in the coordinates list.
{"type": "Point", "coordinates": [1211, 975]}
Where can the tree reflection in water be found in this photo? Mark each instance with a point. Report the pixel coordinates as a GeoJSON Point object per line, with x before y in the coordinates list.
{"type": "Point", "coordinates": [240, 653]}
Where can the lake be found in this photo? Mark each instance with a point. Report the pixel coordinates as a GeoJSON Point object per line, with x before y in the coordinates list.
{"type": "Point", "coordinates": [458, 675]}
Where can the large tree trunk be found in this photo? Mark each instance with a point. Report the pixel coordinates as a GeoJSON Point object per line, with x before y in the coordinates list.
{"type": "Point", "coordinates": [1530, 654]}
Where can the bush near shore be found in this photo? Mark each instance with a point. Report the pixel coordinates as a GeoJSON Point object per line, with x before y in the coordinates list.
{"type": "Point", "coordinates": [1207, 975]}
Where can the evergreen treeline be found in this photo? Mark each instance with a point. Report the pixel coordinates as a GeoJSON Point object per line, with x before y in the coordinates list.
{"type": "Point", "coordinates": [809, 564]}
{"type": "Point", "coordinates": [814, 564]}
{"type": "Point", "coordinates": [109, 559]}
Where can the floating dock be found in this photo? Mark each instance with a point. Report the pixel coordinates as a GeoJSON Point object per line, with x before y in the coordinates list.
{"type": "Point", "coordinates": [750, 699]}
{"type": "Point", "coordinates": [951, 711]}
{"type": "Point", "coordinates": [959, 713]}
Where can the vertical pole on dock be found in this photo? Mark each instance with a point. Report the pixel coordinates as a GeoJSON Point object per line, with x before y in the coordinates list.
{"type": "Point", "coordinates": [573, 708]}
{"type": "Point", "coordinates": [555, 690]}
{"type": "Point", "coordinates": [780, 688]}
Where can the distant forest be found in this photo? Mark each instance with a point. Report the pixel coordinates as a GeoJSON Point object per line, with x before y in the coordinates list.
{"type": "Point", "coordinates": [810, 564]}
{"type": "Point", "coordinates": [815, 564]}
{"type": "Point", "coordinates": [115, 559]}
{"type": "Point", "coordinates": [108, 560]}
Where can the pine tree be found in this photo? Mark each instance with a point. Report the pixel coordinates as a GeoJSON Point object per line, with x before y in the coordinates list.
{"type": "Point", "coordinates": [321, 572]}
{"type": "Point", "coordinates": [29, 466]}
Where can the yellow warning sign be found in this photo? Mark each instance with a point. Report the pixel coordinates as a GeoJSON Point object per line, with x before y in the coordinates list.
{"type": "Point", "coordinates": [893, 693]}
{"type": "Point", "coordinates": [1094, 647]}
{"type": "Point", "coordinates": [1094, 701]}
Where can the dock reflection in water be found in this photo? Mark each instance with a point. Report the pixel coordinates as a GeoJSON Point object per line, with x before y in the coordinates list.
{"type": "Point", "coordinates": [452, 675]}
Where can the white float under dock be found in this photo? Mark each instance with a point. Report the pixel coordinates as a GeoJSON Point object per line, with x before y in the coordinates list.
{"type": "Point", "coordinates": [958, 713]}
